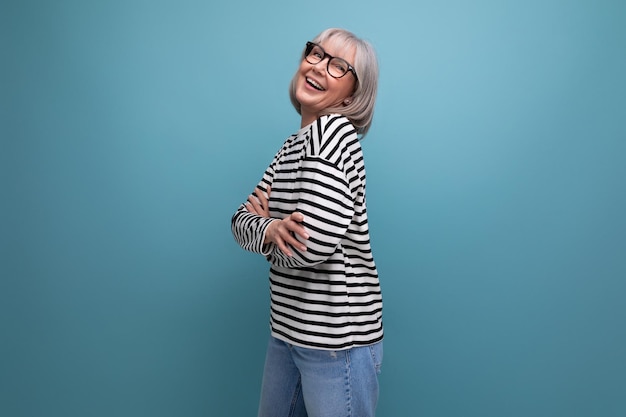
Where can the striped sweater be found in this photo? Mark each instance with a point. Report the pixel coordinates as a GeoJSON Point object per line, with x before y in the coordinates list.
{"type": "Point", "coordinates": [327, 297]}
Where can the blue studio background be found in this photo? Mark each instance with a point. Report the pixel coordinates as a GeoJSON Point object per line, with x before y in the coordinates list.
{"type": "Point", "coordinates": [131, 130]}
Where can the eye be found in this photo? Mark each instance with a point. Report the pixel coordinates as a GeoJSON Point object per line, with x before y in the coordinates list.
{"type": "Point", "coordinates": [317, 52]}
{"type": "Point", "coordinates": [340, 66]}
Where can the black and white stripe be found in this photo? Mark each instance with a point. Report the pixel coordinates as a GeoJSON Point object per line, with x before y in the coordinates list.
{"type": "Point", "coordinates": [326, 297]}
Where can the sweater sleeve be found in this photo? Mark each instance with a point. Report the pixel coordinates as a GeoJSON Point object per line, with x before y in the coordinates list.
{"type": "Point", "coordinates": [322, 193]}
{"type": "Point", "coordinates": [308, 176]}
{"type": "Point", "coordinates": [248, 228]}
{"type": "Point", "coordinates": [324, 200]}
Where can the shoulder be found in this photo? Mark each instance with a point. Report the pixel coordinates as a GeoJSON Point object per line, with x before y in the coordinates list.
{"type": "Point", "coordinates": [336, 123]}
{"type": "Point", "coordinates": [334, 128]}
{"type": "Point", "coordinates": [332, 135]}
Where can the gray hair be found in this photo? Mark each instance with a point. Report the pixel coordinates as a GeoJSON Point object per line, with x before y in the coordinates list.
{"type": "Point", "coordinates": [361, 110]}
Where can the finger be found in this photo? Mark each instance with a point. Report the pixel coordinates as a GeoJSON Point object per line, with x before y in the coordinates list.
{"type": "Point", "coordinates": [299, 230]}
{"type": "Point", "coordinates": [261, 197]}
{"type": "Point", "coordinates": [290, 242]}
{"type": "Point", "coordinates": [296, 226]}
{"type": "Point", "coordinates": [252, 205]}
{"type": "Point", "coordinates": [297, 217]}
{"type": "Point", "coordinates": [290, 239]}
{"type": "Point", "coordinates": [283, 247]}
{"type": "Point", "coordinates": [295, 243]}
{"type": "Point", "coordinates": [263, 202]}
{"type": "Point", "coordinates": [253, 198]}
{"type": "Point", "coordinates": [259, 203]}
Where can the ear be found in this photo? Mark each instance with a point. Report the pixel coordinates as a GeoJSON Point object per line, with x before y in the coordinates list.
{"type": "Point", "coordinates": [347, 101]}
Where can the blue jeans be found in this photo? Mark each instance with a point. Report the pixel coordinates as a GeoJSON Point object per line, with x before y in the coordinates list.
{"type": "Point", "coordinates": [301, 382]}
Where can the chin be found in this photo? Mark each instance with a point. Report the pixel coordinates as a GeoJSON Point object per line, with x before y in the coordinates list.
{"type": "Point", "coordinates": [304, 100]}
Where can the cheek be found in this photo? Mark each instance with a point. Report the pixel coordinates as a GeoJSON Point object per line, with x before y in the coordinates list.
{"type": "Point", "coordinates": [345, 88]}
{"type": "Point", "coordinates": [302, 70]}
{"type": "Point", "coordinates": [304, 67]}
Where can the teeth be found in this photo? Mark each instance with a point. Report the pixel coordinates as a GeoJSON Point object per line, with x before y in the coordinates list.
{"type": "Point", "coordinates": [314, 84]}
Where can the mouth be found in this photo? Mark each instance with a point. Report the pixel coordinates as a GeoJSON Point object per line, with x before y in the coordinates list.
{"type": "Point", "coordinates": [314, 84]}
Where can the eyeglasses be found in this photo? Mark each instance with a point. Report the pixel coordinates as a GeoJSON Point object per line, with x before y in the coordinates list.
{"type": "Point", "coordinates": [336, 67]}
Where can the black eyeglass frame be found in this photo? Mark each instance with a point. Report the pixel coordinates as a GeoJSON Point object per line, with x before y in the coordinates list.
{"type": "Point", "coordinates": [309, 48]}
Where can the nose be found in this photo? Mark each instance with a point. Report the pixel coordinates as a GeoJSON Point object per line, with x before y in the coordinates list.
{"type": "Point", "coordinates": [320, 67]}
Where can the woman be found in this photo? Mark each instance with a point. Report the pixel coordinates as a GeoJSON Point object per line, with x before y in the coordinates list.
{"type": "Point", "coordinates": [308, 217]}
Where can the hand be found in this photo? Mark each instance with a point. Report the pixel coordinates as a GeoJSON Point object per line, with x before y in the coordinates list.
{"type": "Point", "coordinates": [258, 203]}
{"type": "Point", "coordinates": [283, 233]}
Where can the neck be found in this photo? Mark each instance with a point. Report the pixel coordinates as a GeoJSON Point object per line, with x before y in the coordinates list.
{"type": "Point", "coordinates": [307, 118]}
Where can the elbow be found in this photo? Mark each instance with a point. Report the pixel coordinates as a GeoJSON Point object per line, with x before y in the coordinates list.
{"type": "Point", "coordinates": [316, 254]}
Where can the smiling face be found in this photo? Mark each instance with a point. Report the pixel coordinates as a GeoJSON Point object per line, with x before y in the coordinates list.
{"type": "Point", "coordinates": [316, 90]}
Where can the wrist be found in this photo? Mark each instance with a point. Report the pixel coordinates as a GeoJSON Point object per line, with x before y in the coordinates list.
{"type": "Point", "coordinates": [268, 232]}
